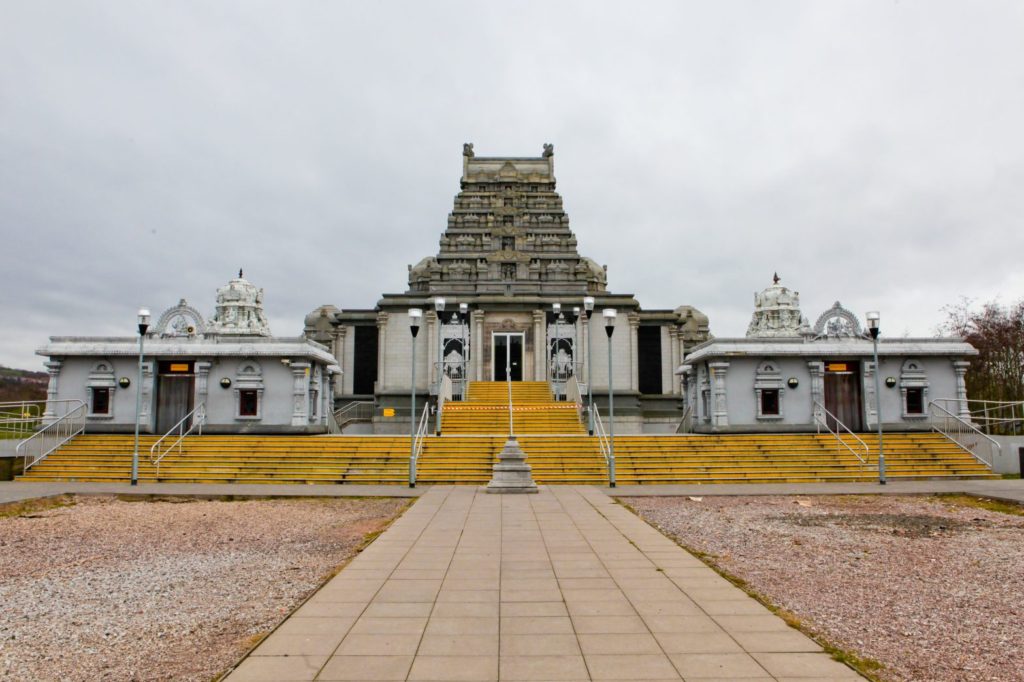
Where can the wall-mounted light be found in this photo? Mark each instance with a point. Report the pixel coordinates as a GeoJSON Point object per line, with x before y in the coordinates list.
{"type": "Point", "coordinates": [124, 382]}
{"type": "Point", "coordinates": [890, 382]}
{"type": "Point", "coordinates": [225, 382]}
{"type": "Point", "coordinates": [793, 382]}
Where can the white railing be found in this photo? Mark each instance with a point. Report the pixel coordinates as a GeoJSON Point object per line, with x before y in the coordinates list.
{"type": "Point", "coordinates": [20, 419]}
{"type": "Point", "coordinates": [603, 442]}
{"type": "Point", "coordinates": [685, 424]}
{"type": "Point", "coordinates": [968, 436]}
{"type": "Point", "coordinates": [443, 396]}
{"type": "Point", "coordinates": [574, 394]}
{"type": "Point", "coordinates": [455, 371]}
{"type": "Point", "coordinates": [36, 447]}
{"type": "Point", "coordinates": [821, 418]}
{"type": "Point", "coordinates": [993, 417]}
{"type": "Point", "coordinates": [193, 421]}
{"type": "Point", "coordinates": [559, 375]}
{"type": "Point", "coordinates": [356, 411]}
{"type": "Point", "coordinates": [417, 444]}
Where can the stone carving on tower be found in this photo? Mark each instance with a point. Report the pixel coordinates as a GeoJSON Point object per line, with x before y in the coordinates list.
{"type": "Point", "coordinates": [777, 314]}
{"type": "Point", "coordinates": [181, 320]}
{"type": "Point", "coordinates": [508, 234]}
{"type": "Point", "coordinates": [837, 322]}
{"type": "Point", "coordinates": [239, 310]}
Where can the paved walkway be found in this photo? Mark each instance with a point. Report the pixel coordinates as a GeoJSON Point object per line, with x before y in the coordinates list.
{"type": "Point", "coordinates": [563, 585]}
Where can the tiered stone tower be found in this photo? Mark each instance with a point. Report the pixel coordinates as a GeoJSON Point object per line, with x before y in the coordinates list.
{"type": "Point", "coordinates": [508, 234]}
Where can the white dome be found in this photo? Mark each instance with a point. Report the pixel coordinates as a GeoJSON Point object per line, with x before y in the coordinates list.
{"type": "Point", "coordinates": [777, 313]}
{"type": "Point", "coordinates": [239, 310]}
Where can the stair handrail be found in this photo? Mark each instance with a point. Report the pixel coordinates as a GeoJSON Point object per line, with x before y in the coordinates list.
{"type": "Point", "coordinates": [685, 422]}
{"type": "Point", "coordinates": [602, 438]}
{"type": "Point", "coordinates": [443, 396]}
{"type": "Point", "coordinates": [357, 410]}
{"type": "Point", "coordinates": [196, 418]}
{"type": "Point", "coordinates": [417, 445]}
{"type": "Point", "coordinates": [574, 395]}
{"type": "Point", "coordinates": [821, 415]}
{"type": "Point", "coordinates": [962, 432]}
{"type": "Point", "coordinates": [20, 418]}
{"type": "Point", "coordinates": [53, 435]}
{"type": "Point", "coordinates": [1005, 417]}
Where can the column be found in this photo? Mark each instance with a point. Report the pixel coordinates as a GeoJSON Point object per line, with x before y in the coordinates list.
{"type": "Point", "coordinates": [202, 381]}
{"type": "Point", "coordinates": [870, 401]}
{"type": "Point", "coordinates": [817, 370]}
{"type": "Point", "coordinates": [146, 421]}
{"type": "Point", "coordinates": [540, 346]}
{"type": "Point", "coordinates": [300, 393]}
{"type": "Point", "coordinates": [634, 345]}
{"type": "Point", "coordinates": [339, 354]}
{"type": "Point", "coordinates": [382, 352]}
{"type": "Point", "coordinates": [963, 410]}
{"type": "Point", "coordinates": [720, 410]}
{"type": "Point", "coordinates": [53, 369]}
{"type": "Point", "coordinates": [476, 344]}
{"type": "Point", "coordinates": [433, 323]}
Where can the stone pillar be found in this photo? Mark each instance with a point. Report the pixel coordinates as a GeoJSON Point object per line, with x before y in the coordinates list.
{"type": "Point", "coordinates": [146, 417]}
{"type": "Point", "coordinates": [53, 369]}
{"type": "Point", "coordinates": [675, 381]}
{"type": "Point", "coordinates": [382, 354]}
{"type": "Point", "coordinates": [963, 410]}
{"type": "Point", "coordinates": [870, 401]}
{"type": "Point", "coordinates": [720, 409]}
{"type": "Point", "coordinates": [300, 393]}
{"type": "Point", "coordinates": [817, 370]}
{"type": "Point", "coordinates": [634, 345]}
{"type": "Point", "coordinates": [476, 345]}
{"type": "Point", "coordinates": [339, 355]}
{"type": "Point", "coordinates": [433, 323]}
{"type": "Point", "coordinates": [202, 381]}
{"type": "Point", "coordinates": [540, 347]}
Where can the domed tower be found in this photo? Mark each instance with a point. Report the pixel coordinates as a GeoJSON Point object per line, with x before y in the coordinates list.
{"type": "Point", "coordinates": [777, 313]}
{"type": "Point", "coordinates": [239, 310]}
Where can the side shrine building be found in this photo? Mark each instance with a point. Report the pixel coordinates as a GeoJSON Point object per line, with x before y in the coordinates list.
{"type": "Point", "coordinates": [505, 293]}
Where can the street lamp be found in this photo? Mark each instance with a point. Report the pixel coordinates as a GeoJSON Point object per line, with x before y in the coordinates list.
{"type": "Point", "coordinates": [557, 310]}
{"type": "Point", "coordinates": [588, 309]}
{"type": "Point", "coordinates": [415, 316]}
{"type": "Point", "coordinates": [143, 320]}
{"type": "Point", "coordinates": [609, 329]}
{"type": "Point", "coordinates": [873, 318]}
{"type": "Point", "coordinates": [439, 310]}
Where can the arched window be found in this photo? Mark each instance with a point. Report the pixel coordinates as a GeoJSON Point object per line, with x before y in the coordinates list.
{"type": "Point", "coordinates": [768, 391]}
{"type": "Point", "coordinates": [101, 387]}
{"type": "Point", "coordinates": [249, 391]}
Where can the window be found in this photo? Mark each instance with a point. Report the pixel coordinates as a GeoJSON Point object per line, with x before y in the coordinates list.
{"type": "Point", "coordinates": [507, 201]}
{"type": "Point", "coordinates": [508, 243]}
{"type": "Point", "coordinates": [248, 402]}
{"type": "Point", "coordinates": [768, 390]}
{"type": "Point", "coordinates": [508, 271]}
{"type": "Point", "coordinates": [507, 220]}
{"type": "Point", "coordinates": [915, 401]}
{"type": "Point", "coordinates": [100, 401]}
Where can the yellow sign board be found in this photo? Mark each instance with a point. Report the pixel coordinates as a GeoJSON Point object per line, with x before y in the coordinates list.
{"type": "Point", "coordinates": [389, 412]}
{"type": "Point", "coordinates": [836, 367]}
{"type": "Point", "coordinates": [180, 367]}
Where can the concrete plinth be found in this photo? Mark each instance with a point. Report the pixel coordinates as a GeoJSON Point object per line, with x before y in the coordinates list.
{"type": "Point", "coordinates": [511, 472]}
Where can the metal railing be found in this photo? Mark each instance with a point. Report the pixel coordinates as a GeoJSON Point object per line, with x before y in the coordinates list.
{"type": "Point", "coordinates": [20, 419]}
{"type": "Point", "coordinates": [443, 396]}
{"type": "Point", "coordinates": [968, 436]}
{"type": "Point", "coordinates": [685, 424]}
{"type": "Point", "coordinates": [603, 442]}
{"type": "Point", "coordinates": [356, 411]}
{"type": "Point", "coordinates": [194, 419]}
{"type": "Point", "coordinates": [559, 374]}
{"type": "Point", "coordinates": [993, 417]}
{"type": "Point", "coordinates": [574, 394]}
{"type": "Point", "coordinates": [36, 447]}
{"type": "Point", "coordinates": [821, 418]}
{"type": "Point", "coordinates": [417, 444]}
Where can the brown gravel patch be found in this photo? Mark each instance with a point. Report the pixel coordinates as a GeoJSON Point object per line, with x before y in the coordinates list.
{"type": "Point", "coordinates": [107, 589]}
{"type": "Point", "coordinates": [931, 590]}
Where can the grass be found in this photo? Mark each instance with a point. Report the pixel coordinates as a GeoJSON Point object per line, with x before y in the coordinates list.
{"type": "Point", "coordinates": [34, 506]}
{"type": "Point", "coordinates": [868, 667]}
{"type": "Point", "coordinates": [986, 503]}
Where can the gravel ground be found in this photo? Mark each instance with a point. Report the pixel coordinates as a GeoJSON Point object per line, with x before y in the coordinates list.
{"type": "Point", "coordinates": [106, 589]}
{"type": "Point", "coordinates": [931, 590]}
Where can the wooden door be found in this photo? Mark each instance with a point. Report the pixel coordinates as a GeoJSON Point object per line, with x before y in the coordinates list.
{"type": "Point", "coordinates": [842, 394]}
{"type": "Point", "coordinates": [174, 400]}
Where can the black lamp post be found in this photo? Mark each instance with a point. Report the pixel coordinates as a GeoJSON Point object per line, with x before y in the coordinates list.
{"type": "Point", "coordinates": [415, 316]}
{"type": "Point", "coordinates": [588, 310]}
{"type": "Point", "coordinates": [873, 319]}
{"type": "Point", "coordinates": [609, 329]}
{"type": "Point", "coordinates": [143, 320]}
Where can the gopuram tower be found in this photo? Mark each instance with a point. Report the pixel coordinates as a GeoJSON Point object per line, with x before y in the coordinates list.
{"type": "Point", "coordinates": [504, 298]}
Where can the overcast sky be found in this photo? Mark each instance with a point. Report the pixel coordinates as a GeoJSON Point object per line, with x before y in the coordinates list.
{"type": "Point", "coordinates": [870, 152]}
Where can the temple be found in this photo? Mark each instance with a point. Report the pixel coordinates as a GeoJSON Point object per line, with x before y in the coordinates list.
{"type": "Point", "coordinates": [506, 293]}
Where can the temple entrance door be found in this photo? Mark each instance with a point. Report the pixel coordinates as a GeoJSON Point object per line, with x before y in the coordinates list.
{"type": "Point", "coordinates": [507, 354]}
{"type": "Point", "coordinates": [842, 394]}
{"type": "Point", "coordinates": [174, 394]}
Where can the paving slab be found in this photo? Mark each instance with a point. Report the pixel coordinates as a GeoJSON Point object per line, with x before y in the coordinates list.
{"type": "Point", "coordinates": [562, 585]}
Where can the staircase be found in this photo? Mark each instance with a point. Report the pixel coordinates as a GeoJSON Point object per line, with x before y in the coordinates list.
{"type": "Point", "coordinates": [474, 430]}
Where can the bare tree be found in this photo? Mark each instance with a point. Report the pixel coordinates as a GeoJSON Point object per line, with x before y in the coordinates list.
{"type": "Point", "coordinates": [997, 373]}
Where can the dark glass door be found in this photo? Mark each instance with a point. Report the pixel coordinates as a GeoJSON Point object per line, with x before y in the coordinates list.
{"type": "Point", "coordinates": [842, 394]}
{"type": "Point", "coordinates": [508, 357]}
